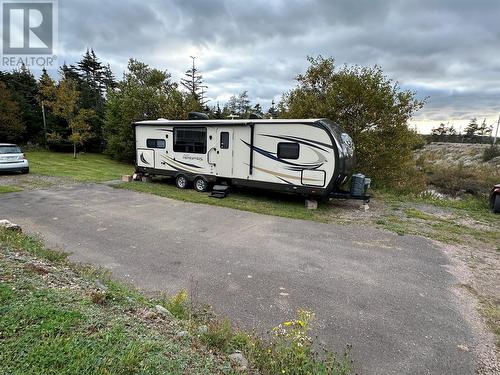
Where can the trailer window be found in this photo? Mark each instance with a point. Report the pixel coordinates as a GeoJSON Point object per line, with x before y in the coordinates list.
{"type": "Point", "coordinates": [155, 143]}
{"type": "Point", "coordinates": [224, 140]}
{"type": "Point", "coordinates": [288, 150]}
{"type": "Point", "coordinates": [190, 140]}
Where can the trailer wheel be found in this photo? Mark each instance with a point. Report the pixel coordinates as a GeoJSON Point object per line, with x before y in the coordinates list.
{"type": "Point", "coordinates": [496, 204]}
{"type": "Point", "coordinates": [200, 184]}
{"type": "Point", "coordinates": [181, 182]}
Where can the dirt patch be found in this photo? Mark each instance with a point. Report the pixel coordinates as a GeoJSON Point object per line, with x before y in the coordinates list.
{"type": "Point", "coordinates": [478, 285]}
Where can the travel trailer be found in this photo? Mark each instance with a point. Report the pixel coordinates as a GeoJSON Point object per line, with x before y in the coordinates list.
{"type": "Point", "coordinates": [312, 157]}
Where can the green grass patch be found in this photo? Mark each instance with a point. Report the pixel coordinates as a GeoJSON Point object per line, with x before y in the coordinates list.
{"type": "Point", "coordinates": [86, 167]}
{"type": "Point", "coordinates": [60, 318]}
{"type": "Point", "coordinates": [262, 202]}
{"type": "Point", "coordinates": [9, 189]}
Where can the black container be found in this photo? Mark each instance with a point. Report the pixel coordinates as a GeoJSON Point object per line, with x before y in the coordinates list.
{"type": "Point", "coordinates": [357, 185]}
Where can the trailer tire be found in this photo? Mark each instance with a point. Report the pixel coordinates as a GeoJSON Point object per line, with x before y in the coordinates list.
{"type": "Point", "coordinates": [496, 203]}
{"type": "Point", "coordinates": [200, 185]}
{"type": "Point", "coordinates": [181, 182]}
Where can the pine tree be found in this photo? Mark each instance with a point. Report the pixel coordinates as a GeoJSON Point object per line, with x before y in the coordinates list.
{"type": "Point", "coordinates": [12, 126]}
{"type": "Point", "coordinates": [193, 82]}
{"type": "Point", "coordinates": [471, 129]}
{"type": "Point", "coordinates": [272, 113]}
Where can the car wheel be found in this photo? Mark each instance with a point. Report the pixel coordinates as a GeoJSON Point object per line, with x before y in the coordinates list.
{"type": "Point", "coordinates": [496, 203]}
{"type": "Point", "coordinates": [181, 182]}
{"type": "Point", "coordinates": [200, 184]}
{"type": "Point", "coordinates": [25, 171]}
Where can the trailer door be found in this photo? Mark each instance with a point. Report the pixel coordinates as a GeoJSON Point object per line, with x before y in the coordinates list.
{"type": "Point", "coordinates": [224, 153]}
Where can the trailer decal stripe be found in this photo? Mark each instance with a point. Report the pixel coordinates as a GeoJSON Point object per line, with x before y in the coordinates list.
{"type": "Point", "coordinates": [314, 165]}
{"type": "Point", "coordinates": [304, 141]}
{"type": "Point", "coordinates": [180, 163]}
{"type": "Point", "coordinates": [278, 175]}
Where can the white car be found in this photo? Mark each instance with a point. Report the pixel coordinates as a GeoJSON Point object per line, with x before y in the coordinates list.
{"type": "Point", "coordinates": [12, 159]}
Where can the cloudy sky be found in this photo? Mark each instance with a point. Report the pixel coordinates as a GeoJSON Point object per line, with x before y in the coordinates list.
{"type": "Point", "coordinates": [448, 50]}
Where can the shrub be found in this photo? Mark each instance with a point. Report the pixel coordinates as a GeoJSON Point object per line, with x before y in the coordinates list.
{"type": "Point", "coordinates": [491, 153]}
{"type": "Point", "coordinates": [369, 106]}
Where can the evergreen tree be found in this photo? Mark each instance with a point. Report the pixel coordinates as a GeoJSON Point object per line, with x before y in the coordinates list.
{"type": "Point", "coordinates": [11, 124]}
{"type": "Point", "coordinates": [272, 112]}
{"type": "Point", "coordinates": [23, 90]}
{"type": "Point", "coordinates": [193, 83]}
{"type": "Point", "coordinates": [472, 128]}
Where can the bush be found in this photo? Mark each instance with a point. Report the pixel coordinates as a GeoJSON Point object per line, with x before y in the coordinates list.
{"type": "Point", "coordinates": [370, 107]}
{"type": "Point", "coordinates": [491, 153]}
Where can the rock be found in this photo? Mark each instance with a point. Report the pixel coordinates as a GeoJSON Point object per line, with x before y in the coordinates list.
{"type": "Point", "coordinates": [311, 204]}
{"type": "Point", "coordinates": [364, 207]}
{"type": "Point", "coordinates": [163, 311]}
{"type": "Point", "coordinates": [126, 178]}
{"type": "Point", "coordinates": [101, 286]}
{"type": "Point", "coordinates": [202, 329]}
{"type": "Point", "coordinates": [181, 334]}
{"type": "Point", "coordinates": [8, 225]}
{"type": "Point", "coordinates": [240, 360]}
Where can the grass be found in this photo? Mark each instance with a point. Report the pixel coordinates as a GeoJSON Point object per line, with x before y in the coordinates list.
{"type": "Point", "coordinates": [262, 202]}
{"type": "Point", "coordinates": [9, 189]}
{"type": "Point", "coordinates": [50, 323]}
{"type": "Point", "coordinates": [85, 168]}
{"type": "Point", "coordinates": [60, 318]}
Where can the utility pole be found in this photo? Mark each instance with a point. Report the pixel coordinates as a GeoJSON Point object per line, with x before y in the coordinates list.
{"type": "Point", "coordinates": [44, 125]}
{"type": "Point", "coordinates": [496, 132]}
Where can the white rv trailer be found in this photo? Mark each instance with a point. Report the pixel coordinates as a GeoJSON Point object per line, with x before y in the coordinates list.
{"type": "Point", "coordinates": [310, 156]}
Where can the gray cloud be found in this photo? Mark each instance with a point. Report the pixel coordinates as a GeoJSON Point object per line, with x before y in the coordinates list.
{"type": "Point", "coordinates": [446, 49]}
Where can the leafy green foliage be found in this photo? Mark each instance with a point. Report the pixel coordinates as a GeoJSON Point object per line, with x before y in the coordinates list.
{"type": "Point", "coordinates": [12, 127]}
{"type": "Point", "coordinates": [370, 107]}
{"type": "Point", "coordinates": [144, 93]}
{"type": "Point", "coordinates": [23, 90]}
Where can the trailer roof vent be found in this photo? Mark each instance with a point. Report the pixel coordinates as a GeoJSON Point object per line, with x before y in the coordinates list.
{"type": "Point", "coordinates": [162, 119]}
{"type": "Point", "coordinates": [197, 116]}
{"type": "Point", "coordinates": [254, 116]}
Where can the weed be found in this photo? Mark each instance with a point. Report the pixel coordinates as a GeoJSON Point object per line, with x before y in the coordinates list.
{"type": "Point", "coordinates": [179, 306]}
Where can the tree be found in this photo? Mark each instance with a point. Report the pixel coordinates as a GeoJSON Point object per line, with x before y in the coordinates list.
{"type": "Point", "coordinates": [23, 90]}
{"type": "Point", "coordinates": [65, 105]}
{"type": "Point", "coordinates": [12, 126]}
{"type": "Point", "coordinates": [193, 83]}
{"type": "Point", "coordinates": [369, 106]}
{"type": "Point", "coordinates": [257, 110]}
{"type": "Point", "coordinates": [144, 93]}
{"type": "Point", "coordinates": [238, 105]}
{"type": "Point", "coordinates": [472, 128]}
{"type": "Point", "coordinates": [272, 112]}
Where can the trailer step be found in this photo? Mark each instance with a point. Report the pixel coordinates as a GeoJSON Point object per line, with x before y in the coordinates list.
{"type": "Point", "coordinates": [220, 191]}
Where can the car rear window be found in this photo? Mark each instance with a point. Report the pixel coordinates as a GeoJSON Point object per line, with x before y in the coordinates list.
{"type": "Point", "coordinates": [10, 150]}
